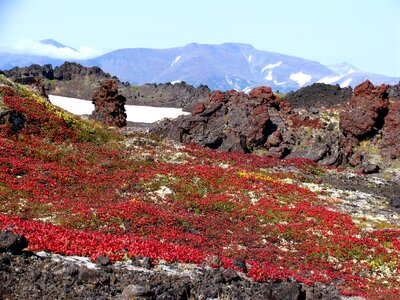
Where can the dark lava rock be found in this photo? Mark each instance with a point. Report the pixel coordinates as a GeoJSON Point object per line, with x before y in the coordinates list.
{"type": "Point", "coordinates": [369, 168]}
{"type": "Point", "coordinates": [288, 291]}
{"type": "Point", "coordinates": [241, 264]}
{"type": "Point", "coordinates": [319, 95]}
{"type": "Point", "coordinates": [18, 74]}
{"type": "Point", "coordinates": [231, 121]}
{"type": "Point", "coordinates": [13, 243]}
{"type": "Point", "coordinates": [72, 70]}
{"type": "Point", "coordinates": [230, 275]}
{"type": "Point", "coordinates": [69, 79]}
{"type": "Point", "coordinates": [133, 291]}
{"type": "Point", "coordinates": [15, 120]}
{"type": "Point", "coordinates": [109, 104]}
{"type": "Point", "coordinates": [179, 94]}
{"type": "Point", "coordinates": [394, 91]}
{"type": "Point", "coordinates": [87, 275]}
{"type": "Point", "coordinates": [103, 261]}
{"type": "Point", "coordinates": [366, 113]}
{"type": "Point", "coordinates": [34, 277]}
{"type": "Point", "coordinates": [143, 261]}
{"type": "Point", "coordinates": [395, 201]}
{"type": "Point", "coordinates": [390, 143]}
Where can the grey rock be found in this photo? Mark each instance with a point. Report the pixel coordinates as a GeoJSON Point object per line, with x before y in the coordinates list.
{"type": "Point", "coordinates": [13, 243]}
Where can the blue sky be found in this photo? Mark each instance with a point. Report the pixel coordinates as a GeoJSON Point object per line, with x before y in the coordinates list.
{"type": "Point", "coordinates": [365, 33]}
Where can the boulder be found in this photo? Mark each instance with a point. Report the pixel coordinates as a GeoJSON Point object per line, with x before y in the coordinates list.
{"type": "Point", "coordinates": [391, 138]}
{"type": "Point", "coordinates": [394, 91]}
{"type": "Point", "coordinates": [367, 109]}
{"type": "Point", "coordinates": [230, 121]}
{"type": "Point", "coordinates": [13, 243]}
{"type": "Point", "coordinates": [395, 201]}
{"type": "Point", "coordinates": [109, 104]}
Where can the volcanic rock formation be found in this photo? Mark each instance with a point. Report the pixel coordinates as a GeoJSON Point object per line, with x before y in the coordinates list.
{"type": "Point", "coordinates": [319, 95]}
{"type": "Point", "coordinates": [362, 133]}
{"type": "Point", "coordinates": [231, 121]}
{"type": "Point", "coordinates": [109, 104]}
{"type": "Point", "coordinates": [76, 81]}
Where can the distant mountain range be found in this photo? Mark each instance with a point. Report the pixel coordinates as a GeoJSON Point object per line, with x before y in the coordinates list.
{"type": "Point", "coordinates": [223, 67]}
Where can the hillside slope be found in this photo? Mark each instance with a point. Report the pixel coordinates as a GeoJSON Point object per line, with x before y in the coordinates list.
{"type": "Point", "coordinates": [75, 188]}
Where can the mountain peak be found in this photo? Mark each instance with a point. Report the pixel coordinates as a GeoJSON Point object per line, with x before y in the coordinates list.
{"type": "Point", "coordinates": [54, 43]}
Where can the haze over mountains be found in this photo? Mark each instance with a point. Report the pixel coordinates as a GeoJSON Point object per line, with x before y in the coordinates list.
{"type": "Point", "coordinates": [227, 66]}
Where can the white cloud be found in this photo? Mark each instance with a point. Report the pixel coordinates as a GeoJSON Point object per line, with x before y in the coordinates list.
{"type": "Point", "coordinates": [26, 46]}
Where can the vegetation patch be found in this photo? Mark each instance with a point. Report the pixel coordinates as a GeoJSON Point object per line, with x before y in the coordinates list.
{"type": "Point", "coordinates": [76, 188]}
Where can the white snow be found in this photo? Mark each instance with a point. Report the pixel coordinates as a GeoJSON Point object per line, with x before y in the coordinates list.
{"type": "Point", "coordinates": [271, 66]}
{"type": "Point", "coordinates": [351, 70]}
{"type": "Point", "coordinates": [176, 60]}
{"type": "Point", "coordinates": [135, 113]}
{"type": "Point", "coordinates": [329, 80]}
{"type": "Point", "coordinates": [346, 83]}
{"type": "Point", "coordinates": [269, 76]}
{"type": "Point", "coordinates": [247, 89]}
{"type": "Point", "coordinates": [230, 82]}
{"type": "Point", "coordinates": [73, 105]}
{"type": "Point", "coordinates": [176, 81]}
{"type": "Point", "coordinates": [250, 58]}
{"type": "Point", "coordinates": [300, 78]}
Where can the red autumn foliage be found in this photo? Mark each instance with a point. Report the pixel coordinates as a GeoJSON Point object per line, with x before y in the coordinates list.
{"type": "Point", "coordinates": [184, 204]}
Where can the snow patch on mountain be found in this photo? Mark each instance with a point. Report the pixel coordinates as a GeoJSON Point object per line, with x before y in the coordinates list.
{"type": "Point", "coordinates": [250, 58]}
{"type": "Point", "coordinates": [271, 66]}
{"type": "Point", "coordinates": [269, 76]}
{"type": "Point", "coordinates": [176, 60]}
{"type": "Point", "coordinates": [330, 79]}
{"type": "Point", "coordinates": [351, 70]}
{"type": "Point", "coordinates": [346, 83]}
{"type": "Point", "coordinates": [300, 78]}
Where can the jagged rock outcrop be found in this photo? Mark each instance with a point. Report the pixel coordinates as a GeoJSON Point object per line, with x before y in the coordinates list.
{"type": "Point", "coordinates": [362, 133]}
{"type": "Point", "coordinates": [20, 74]}
{"type": "Point", "coordinates": [394, 91]}
{"type": "Point", "coordinates": [69, 79]}
{"type": "Point", "coordinates": [12, 243]}
{"type": "Point", "coordinates": [319, 95]}
{"type": "Point", "coordinates": [109, 104]}
{"type": "Point", "coordinates": [179, 94]}
{"type": "Point", "coordinates": [390, 143]}
{"type": "Point", "coordinates": [366, 113]}
{"type": "Point", "coordinates": [74, 80]}
{"type": "Point", "coordinates": [230, 121]}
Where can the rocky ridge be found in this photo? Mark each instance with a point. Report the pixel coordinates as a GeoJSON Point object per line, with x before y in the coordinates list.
{"type": "Point", "coordinates": [74, 80]}
{"type": "Point", "coordinates": [361, 132]}
{"type": "Point", "coordinates": [319, 95]}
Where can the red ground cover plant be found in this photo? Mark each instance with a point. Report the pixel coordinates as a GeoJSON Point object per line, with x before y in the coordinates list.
{"type": "Point", "coordinates": [182, 204]}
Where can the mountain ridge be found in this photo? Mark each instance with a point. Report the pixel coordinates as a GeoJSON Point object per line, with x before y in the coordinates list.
{"type": "Point", "coordinates": [224, 67]}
